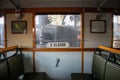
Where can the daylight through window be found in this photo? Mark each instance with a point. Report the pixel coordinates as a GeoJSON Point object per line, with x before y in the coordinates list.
{"type": "Point", "coordinates": [116, 31]}
{"type": "Point", "coordinates": [1, 32]}
{"type": "Point", "coordinates": [58, 31]}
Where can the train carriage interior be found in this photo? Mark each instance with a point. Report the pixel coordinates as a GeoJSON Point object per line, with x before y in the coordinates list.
{"type": "Point", "coordinates": [59, 39]}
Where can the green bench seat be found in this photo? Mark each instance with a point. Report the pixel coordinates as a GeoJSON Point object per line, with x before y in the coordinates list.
{"type": "Point", "coordinates": [11, 68]}
{"type": "Point", "coordinates": [17, 69]}
{"type": "Point", "coordinates": [97, 70]}
{"type": "Point", "coordinates": [112, 71]}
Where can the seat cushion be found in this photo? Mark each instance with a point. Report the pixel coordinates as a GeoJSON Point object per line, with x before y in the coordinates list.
{"type": "Point", "coordinates": [15, 66]}
{"type": "Point", "coordinates": [36, 76]}
{"type": "Point", "coordinates": [80, 76]}
{"type": "Point", "coordinates": [112, 71]}
{"type": "Point", "coordinates": [98, 66]}
{"type": "Point", "coordinates": [4, 73]}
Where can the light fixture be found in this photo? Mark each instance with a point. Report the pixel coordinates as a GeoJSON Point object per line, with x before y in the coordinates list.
{"type": "Point", "coordinates": [18, 14]}
{"type": "Point", "coordinates": [99, 14]}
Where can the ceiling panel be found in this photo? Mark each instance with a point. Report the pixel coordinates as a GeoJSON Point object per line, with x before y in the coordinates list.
{"type": "Point", "coordinates": [6, 4]}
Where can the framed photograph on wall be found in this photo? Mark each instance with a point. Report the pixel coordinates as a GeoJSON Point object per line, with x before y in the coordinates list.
{"type": "Point", "coordinates": [97, 26]}
{"type": "Point", "coordinates": [19, 27]}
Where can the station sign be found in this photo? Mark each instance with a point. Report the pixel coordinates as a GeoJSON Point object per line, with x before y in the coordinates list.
{"type": "Point", "coordinates": [57, 45]}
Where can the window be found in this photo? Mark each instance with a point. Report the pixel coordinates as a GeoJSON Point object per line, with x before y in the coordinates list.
{"type": "Point", "coordinates": [1, 32]}
{"type": "Point", "coordinates": [58, 31]}
{"type": "Point", "coordinates": [116, 31]}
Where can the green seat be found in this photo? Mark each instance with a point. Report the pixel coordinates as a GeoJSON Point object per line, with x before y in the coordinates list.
{"type": "Point", "coordinates": [17, 69]}
{"type": "Point", "coordinates": [4, 75]}
{"type": "Point", "coordinates": [15, 66]}
{"type": "Point", "coordinates": [112, 71]}
{"type": "Point", "coordinates": [80, 76]}
{"type": "Point", "coordinates": [4, 70]}
{"type": "Point", "coordinates": [98, 67]}
{"type": "Point", "coordinates": [36, 76]}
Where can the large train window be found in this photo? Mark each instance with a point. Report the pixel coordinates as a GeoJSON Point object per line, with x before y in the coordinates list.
{"type": "Point", "coordinates": [1, 31]}
{"type": "Point", "coordinates": [116, 31]}
{"type": "Point", "coordinates": [58, 31]}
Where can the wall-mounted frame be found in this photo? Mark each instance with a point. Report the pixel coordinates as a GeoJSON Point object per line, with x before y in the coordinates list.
{"type": "Point", "coordinates": [19, 27]}
{"type": "Point", "coordinates": [97, 26]}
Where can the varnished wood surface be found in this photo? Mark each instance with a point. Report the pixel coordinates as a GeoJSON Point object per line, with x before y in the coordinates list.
{"type": "Point", "coordinates": [112, 50]}
{"type": "Point", "coordinates": [8, 49]}
{"type": "Point", "coordinates": [116, 51]}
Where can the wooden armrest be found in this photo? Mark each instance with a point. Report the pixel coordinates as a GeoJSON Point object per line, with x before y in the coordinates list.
{"type": "Point", "coordinates": [8, 49]}
{"type": "Point", "coordinates": [116, 51]}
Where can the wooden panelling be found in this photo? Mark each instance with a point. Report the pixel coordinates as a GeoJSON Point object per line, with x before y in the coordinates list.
{"type": "Point", "coordinates": [58, 10]}
{"type": "Point", "coordinates": [82, 43]}
{"type": "Point", "coordinates": [58, 49]}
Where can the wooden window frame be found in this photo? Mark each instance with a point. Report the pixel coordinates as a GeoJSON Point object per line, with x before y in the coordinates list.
{"type": "Point", "coordinates": [113, 33]}
{"type": "Point", "coordinates": [4, 33]}
{"type": "Point", "coordinates": [59, 11]}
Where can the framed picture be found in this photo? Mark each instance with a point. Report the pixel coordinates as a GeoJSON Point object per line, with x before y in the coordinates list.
{"type": "Point", "coordinates": [97, 26]}
{"type": "Point", "coordinates": [19, 27]}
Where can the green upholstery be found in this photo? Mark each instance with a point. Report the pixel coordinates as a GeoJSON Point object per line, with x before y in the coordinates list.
{"type": "Point", "coordinates": [99, 63]}
{"type": "Point", "coordinates": [12, 68]}
{"type": "Point", "coordinates": [17, 69]}
{"type": "Point", "coordinates": [36, 76]}
{"type": "Point", "coordinates": [98, 67]}
{"type": "Point", "coordinates": [4, 75]}
{"type": "Point", "coordinates": [79, 76]}
{"type": "Point", "coordinates": [112, 71]}
{"type": "Point", "coordinates": [15, 66]}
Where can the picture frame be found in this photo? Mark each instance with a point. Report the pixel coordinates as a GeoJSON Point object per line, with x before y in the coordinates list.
{"type": "Point", "coordinates": [98, 26]}
{"type": "Point", "coordinates": [19, 27]}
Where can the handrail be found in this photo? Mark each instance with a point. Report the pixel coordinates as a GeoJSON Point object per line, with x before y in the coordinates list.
{"type": "Point", "coordinates": [115, 51]}
{"type": "Point", "coordinates": [8, 49]}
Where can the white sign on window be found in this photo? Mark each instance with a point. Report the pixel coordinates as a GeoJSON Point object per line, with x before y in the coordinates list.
{"type": "Point", "coordinates": [57, 45]}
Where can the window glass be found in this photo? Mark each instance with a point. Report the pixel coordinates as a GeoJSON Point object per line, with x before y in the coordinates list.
{"type": "Point", "coordinates": [61, 31]}
{"type": "Point", "coordinates": [116, 31]}
{"type": "Point", "coordinates": [1, 31]}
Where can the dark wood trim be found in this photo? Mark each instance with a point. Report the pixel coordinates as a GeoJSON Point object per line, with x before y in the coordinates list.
{"type": "Point", "coordinates": [44, 10]}
{"type": "Point", "coordinates": [116, 40]}
{"type": "Point", "coordinates": [57, 49]}
{"type": "Point", "coordinates": [34, 37]}
{"type": "Point", "coordinates": [112, 31]}
{"type": "Point", "coordinates": [33, 30]}
{"type": "Point", "coordinates": [82, 43]}
{"type": "Point", "coordinates": [58, 10]}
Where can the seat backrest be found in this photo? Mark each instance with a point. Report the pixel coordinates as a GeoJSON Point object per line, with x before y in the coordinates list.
{"type": "Point", "coordinates": [4, 74]}
{"type": "Point", "coordinates": [4, 70]}
{"type": "Point", "coordinates": [16, 66]}
{"type": "Point", "coordinates": [98, 66]}
{"type": "Point", "coordinates": [112, 71]}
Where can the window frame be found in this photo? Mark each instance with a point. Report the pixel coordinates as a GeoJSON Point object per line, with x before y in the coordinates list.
{"type": "Point", "coordinates": [4, 32]}
{"type": "Point", "coordinates": [113, 31]}
{"type": "Point", "coordinates": [60, 49]}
